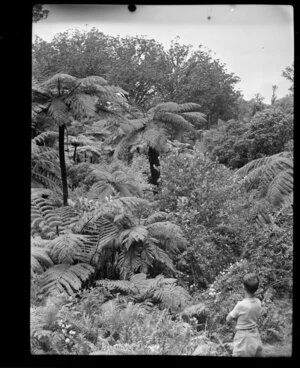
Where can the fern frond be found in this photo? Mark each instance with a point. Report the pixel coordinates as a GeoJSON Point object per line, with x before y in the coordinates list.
{"type": "Point", "coordinates": [177, 121]}
{"type": "Point", "coordinates": [83, 105]}
{"type": "Point", "coordinates": [156, 254]}
{"type": "Point", "coordinates": [196, 118]}
{"type": "Point", "coordinates": [172, 296]}
{"type": "Point", "coordinates": [123, 286]}
{"type": "Point", "coordinates": [280, 188]}
{"type": "Point", "coordinates": [70, 247]}
{"type": "Point", "coordinates": [157, 217]}
{"type": "Point", "coordinates": [155, 138]}
{"type": "Point", "coordinates": [43, 217]}
{"type": "Point", "coordinates": [103, 234]}
{"type": "Point", "coordinates": [187, 107]}
{"type": "Point", "coordinates": [43, 137]}
{"type": "Point", "coordinates": [134, 235]}
{"type": "Point", "coordinates": [279, 161]}
{"type": "Point", "coordinates": [60, 79]}
{"type": "Point", "coordinates": [64, 278]}
{"type": "Point", "coordinates": [40, 259]}
{"type": "Point", "coordinates": [130, 204]}
{"type": "Point", "coordinates": [58, 111]}
{"type": "Point", "coordinates": [170, 234]}
{"type": "Point", "coordinates": [68, 217]}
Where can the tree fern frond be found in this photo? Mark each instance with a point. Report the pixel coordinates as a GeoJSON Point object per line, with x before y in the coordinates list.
{"type": "Point", "coordinates": [134, 125]}
{"type": "Point", "coordinates": [157, 254]}
{"type": "Point", "coordinates": [187, 107]}
{"type": "Point", "coordinates": [68, 217]}
{"type": "Point", "coordinates": [131, 204]}
{"type": "Point", "coordinates": [170, 234]}
{"type": "Point", "coordinates": [60, 79]}
{"type": "Point", "coordinates": [280, 188]}
{"type": "Point", "coordinates": [42, 138]}
{"type": "Point", "coordinates": [277, 160]}
{"type": "Point", "coordinates": [155, 138]}
{"type": "Point", "coordinates": [123, 286]}
{"type": "Point", "coordinates": [134, 235]}
{"type": "Point", "coordinates": [40, 259]}
{"type": "Point", "coordinates": [196, 118]}
{"type": "Point", "coordinates": [43, 217]}
{"type": "Point", "coordinates": [129, 261]}
{"type": "Point", "coordinates": [82, 104]}
{"type": "Point", "coordinates": [157, 217]}
{"type": "Point", "coordinates": [172, 296]}
{"type": "Point", "coordinates": [59, 111]}
{"type": "Point", "coordinates": [93, 79]}
{"type": "Point", "coordinates": [70, 247]}
{"type": "Point", "coordinates": [64, 278]}
{"type": "Point", "coordinates": [177, 121]}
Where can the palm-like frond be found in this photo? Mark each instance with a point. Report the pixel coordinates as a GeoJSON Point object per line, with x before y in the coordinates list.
{"type": "Point", "coordinates": [42, 138]}
{"type": "Point", "coordinates": [157, 217]}
{"type": "Point", "coordinates": [159, 289]}
{"type": "Point", "coordinates": [196, 118]}
{"type": "Point", "coordinates": [70, 247]}
{"type": "Point", "coordinates": [64, 81]}
{"type": "Point", "coordinates": [134, 235]}
{"type": "Point", "coordinates": [280, 188]}
{"type": "Point", "coordinates": [169, 234]}
{"type": "Point", "coordinates": [274, 175]}
{"type": "Point", "coordinates": [58, 110]}
{"type": "Point", "coordinates": [110, 183]}
{"type": "Point", "coordinates": [177, 121]}
{"type": "Point", "coordinates": [45, 167]}
{"type": "Point", "coordinates": [64, 278]}
{"type": "Point", "coordinates": [40, 259]}
{"type": "Point", "coordinates": [103, 234]}
{"type": "Point", "coordinates": [81, 104]}
{"type": "Point", "coordinates": [44, 220]}
{"type": "Point", "coordinates": [155, 137]}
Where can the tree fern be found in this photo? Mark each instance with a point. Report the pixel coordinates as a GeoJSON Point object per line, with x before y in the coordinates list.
{"type": "Point", "coordinates": [274, 174]}
{"type": "Point", "coordinates": [64, 278]}
{"type": "Point", "coordinates": [66, 96]}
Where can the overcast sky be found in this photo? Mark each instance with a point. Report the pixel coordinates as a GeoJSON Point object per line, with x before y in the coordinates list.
{"type": "Point", "coordinates": [256, 42]}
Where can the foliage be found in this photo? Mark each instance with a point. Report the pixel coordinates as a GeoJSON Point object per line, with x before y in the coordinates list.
{"type": "Point", "coordinates": [288, 73]}
{"type": "Point", "coordinates": [268, 132]}
{"type": "Point", "coordinates": [273, 176]}
{"type": "Point", "coordinates": [236, 143]}
{"type": "Point", "coordinates": [38, 13]}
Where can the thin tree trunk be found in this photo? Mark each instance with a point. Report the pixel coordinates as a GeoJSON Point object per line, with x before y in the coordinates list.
{"type": "Point", "coordinates": [62, 163]}
{"type": "Point", "coordinates": [74, 154]}
{"type": "Point", "coordinates": [153, 156]}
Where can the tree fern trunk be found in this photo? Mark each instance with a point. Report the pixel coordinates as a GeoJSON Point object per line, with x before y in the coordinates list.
{"type": "Point", "coordinates": [153, 156]}
{"type": "Point", "coordinates": [74, 154]}
{"type": "Point", "coordinates": [62, 163]}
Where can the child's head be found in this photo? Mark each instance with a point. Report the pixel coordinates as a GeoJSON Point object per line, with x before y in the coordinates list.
{"type": "Point", "coordinates": [251, 283]}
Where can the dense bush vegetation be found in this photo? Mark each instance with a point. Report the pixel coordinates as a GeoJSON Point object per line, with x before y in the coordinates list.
{"type": "Point", "coordinates": [141, 228]}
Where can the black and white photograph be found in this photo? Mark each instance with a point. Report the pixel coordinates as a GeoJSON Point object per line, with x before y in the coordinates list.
{"type": "Point", "coordinates": [162, 151]}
